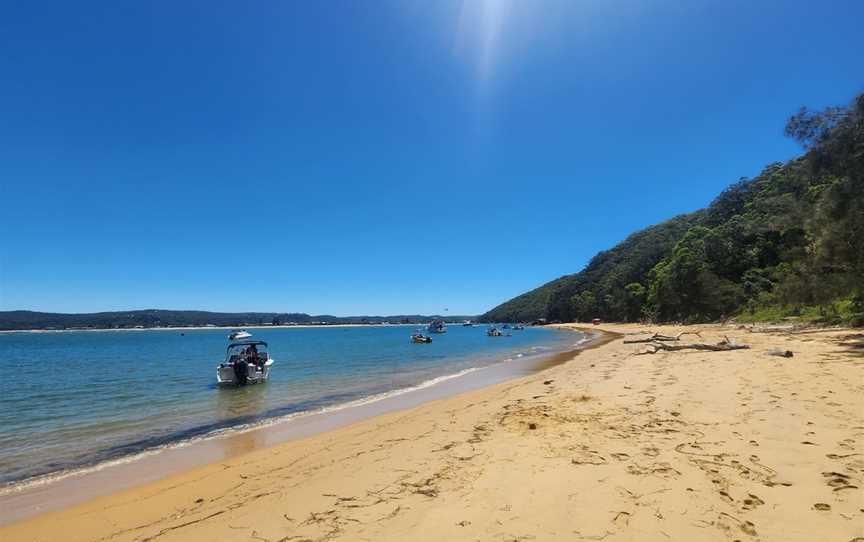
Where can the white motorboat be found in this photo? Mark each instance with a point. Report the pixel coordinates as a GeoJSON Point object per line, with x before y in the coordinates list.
{"type": "Point", "coordinates": [246, 362]}
{"type": "Point", "coordinates": [494, 332]}
{"type": "Point", "coordinates": [420, 338]}
{"type": "Point", "coordinates": [238, 335]}
{"type": "Point", "coordinates": [437, 326]}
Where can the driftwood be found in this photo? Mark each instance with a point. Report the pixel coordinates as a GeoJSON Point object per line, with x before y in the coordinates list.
{"type": "Point", "coordinates": [780, 353]}
{"type": "Point", "coordinates": [723, 346]}
{"type": "Point", "coordinates": [656, 337]}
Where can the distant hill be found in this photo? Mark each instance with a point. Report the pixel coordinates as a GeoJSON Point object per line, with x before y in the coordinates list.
{"type": "Point", "coordinates": [627, 262]}
{"type": "Point", "coordinates": [20, 320]}
{"type": "Point", "coordinates": [788, 243]}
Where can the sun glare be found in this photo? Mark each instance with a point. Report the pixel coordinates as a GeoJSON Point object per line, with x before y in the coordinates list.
{"type": "Point", "coordinates": [482, 26]}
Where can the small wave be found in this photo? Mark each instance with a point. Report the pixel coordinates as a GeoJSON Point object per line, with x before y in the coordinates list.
{"type": "Point", "coordinates": [583, 340]}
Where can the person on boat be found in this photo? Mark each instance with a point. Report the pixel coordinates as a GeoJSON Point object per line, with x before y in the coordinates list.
{"type": "Point", "coordinates": [252, 355]}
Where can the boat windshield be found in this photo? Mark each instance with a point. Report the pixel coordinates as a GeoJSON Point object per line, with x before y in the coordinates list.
{"type": "Point", "coordinates": [256, 351]}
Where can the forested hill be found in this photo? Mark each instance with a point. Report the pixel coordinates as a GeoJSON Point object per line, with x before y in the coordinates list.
{"type": "Point", "coordinates": [20, 320]}
{"type": "Point", "coordinates": [789, 242]}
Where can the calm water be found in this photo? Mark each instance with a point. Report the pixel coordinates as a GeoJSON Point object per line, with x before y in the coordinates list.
{"type": "Point", "coordinates": [73, 399]}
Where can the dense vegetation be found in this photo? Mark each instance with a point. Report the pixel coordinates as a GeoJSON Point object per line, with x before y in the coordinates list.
{"type": "Point", "coordinates": [787, 243]}
{"type": "Point", "coordinates": [17, 320]}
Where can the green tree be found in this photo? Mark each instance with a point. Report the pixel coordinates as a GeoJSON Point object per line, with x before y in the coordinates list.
{"type": "Point", "coordinates": [636, 297]}
{"type": "Point", "coordinates": [584, 305]}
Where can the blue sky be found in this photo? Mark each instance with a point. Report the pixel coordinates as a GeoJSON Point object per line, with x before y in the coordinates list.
{"type": "Point", "coordinates": [379, 157]}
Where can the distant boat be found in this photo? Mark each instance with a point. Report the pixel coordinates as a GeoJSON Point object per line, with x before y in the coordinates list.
{"type": "Point", "coordinates": [437, 326]}
{"type": "Point", "coordinates": [505, 326]}
{"type": "Point", "coordinates": [239, 335]}
{"type": "Point", "coordinates": [467, 323]}
{"type": "Point", "coordinates": [493, 332]}
{"type": "Point", "coordinates": [420, 338]}
{"type": "Point", "coordinates": [518, 327]}
{"type": "Point", "coordinates": [246, 362]}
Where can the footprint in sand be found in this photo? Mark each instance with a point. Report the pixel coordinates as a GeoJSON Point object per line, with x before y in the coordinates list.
{"type": "Point", "coordinates": [621, 519]}
{"type": "Point", "coordinates": [621, 456]}
{"type": "Point", "coordinates": [838, 481]}
{"type": "Point", "coordinates": [821, 506]}
{"type": "Point", "coordinates": [847, 444]}
{"type": "Point", "coordinates": [728, 522]}
{"type": "Point", "coordinates": [588, 457]}
{"type": "Point", "coordinates": [835, 479]}
{"type": "Point", "coordinates": [752, 501]}
{"type": "Point", "coordinates": [651, 451]}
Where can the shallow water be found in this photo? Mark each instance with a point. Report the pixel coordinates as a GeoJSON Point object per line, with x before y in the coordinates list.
{"type": "Point", "coordinates": [74, 399]}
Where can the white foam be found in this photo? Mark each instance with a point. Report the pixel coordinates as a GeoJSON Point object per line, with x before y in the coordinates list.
{"type": "Point", "coordinates": [583, 340]}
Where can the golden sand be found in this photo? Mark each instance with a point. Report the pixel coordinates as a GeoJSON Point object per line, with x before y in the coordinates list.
{"type": "Point", "coordinates": [688, 445]}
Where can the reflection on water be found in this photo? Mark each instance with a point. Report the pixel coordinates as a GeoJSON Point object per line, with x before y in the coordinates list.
{"type": "Point", "coordinates": [244, 402]}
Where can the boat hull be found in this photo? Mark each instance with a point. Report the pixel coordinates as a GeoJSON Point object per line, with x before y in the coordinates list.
{"type": "Point", "coordinates": [225, 375]}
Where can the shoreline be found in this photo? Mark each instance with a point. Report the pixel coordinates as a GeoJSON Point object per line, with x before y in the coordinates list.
{"type": "Point", "coordinates": [614, 445]}
{"type": "Point", "coordinates": [199, 328]}
{"type": "Point", "coordinates": [51, 492]}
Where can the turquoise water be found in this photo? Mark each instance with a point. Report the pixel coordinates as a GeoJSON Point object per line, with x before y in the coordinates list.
{"type": "Point", "coordinates": [76, 399]}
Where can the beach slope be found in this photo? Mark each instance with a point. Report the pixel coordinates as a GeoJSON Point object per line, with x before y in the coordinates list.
{"type": "Point", "coordinates": [612, 445]}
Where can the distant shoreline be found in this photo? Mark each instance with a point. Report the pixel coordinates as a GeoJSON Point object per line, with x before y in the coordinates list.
{"type": "Point", "coordinates": [199, 328]}
{"type": "Point", "coordinates": [160, 319]}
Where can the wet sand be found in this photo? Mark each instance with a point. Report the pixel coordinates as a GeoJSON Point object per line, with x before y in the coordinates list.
{"type": "Point", "coordinates": [611, 445]}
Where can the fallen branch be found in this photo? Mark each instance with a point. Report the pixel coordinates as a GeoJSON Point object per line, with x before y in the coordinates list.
{"type": "Point", "coordinates": [780, 353]}
{"type": "Point", "coordinates": [723, 346]}
{"type": "Point", "coordinates": [658, 337]}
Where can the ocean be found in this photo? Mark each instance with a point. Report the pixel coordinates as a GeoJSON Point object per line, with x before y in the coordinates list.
{"type": "Point", "coordinates": [72, 401]}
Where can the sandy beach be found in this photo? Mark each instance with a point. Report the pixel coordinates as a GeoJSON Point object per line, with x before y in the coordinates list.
{"type": "Point", "coordinates": [611, 445]}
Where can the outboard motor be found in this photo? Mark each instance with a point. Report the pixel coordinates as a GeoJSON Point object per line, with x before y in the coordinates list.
{"type": "Point", "coordinates": [241, 372]}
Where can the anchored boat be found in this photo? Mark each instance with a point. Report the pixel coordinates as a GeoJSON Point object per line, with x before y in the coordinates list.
{"type": "Point", "coordinates": [420, 338]}
{"type": "Point", "coordinates": [437, 326]}
{"type": "Point", "coordinates": [246, 362]}
{"type": "Point", "coordinates": [239, 334]}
